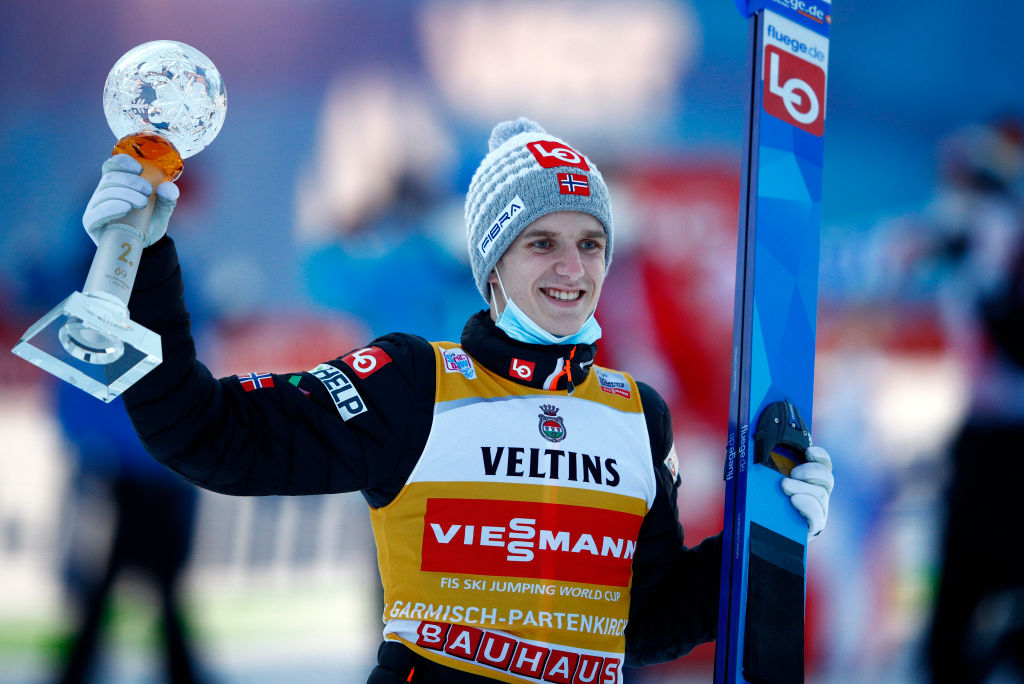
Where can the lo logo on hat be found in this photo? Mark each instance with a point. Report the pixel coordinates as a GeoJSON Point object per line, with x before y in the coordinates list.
{"type": "Point", "coordinates": [550, 153]}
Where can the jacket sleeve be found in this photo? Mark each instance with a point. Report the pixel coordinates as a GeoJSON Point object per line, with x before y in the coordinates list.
{"type": "Point", "coordinates": [298, 433]}
{"type": "Point", "coordinates": [674, 596]}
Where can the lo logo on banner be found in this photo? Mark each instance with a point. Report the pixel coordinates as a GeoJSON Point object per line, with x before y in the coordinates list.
{"type": "Point", "coordinates": [794, 90]}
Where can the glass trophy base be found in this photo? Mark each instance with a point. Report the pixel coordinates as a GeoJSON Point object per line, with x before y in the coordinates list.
{"type": "Point", "coordinates": [92, 345]}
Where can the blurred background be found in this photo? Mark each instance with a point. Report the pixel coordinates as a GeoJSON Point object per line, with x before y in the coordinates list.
{"type": "Point", "coordinates": [329, 210]}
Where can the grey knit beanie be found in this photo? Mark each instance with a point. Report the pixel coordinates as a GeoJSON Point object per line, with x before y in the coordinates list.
{"type": "Point", "coordinates": [527, 174]}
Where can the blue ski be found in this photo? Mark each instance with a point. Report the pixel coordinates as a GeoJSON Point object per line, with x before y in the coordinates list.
{"type": "Point", "coordinates": [761, 614]}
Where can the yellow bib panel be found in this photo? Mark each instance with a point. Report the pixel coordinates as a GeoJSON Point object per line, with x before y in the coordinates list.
{"type": "Point", "coordinates": [508, 552]}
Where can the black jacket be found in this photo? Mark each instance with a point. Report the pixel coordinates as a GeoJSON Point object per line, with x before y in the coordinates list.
{"type": "Point", "coordinates": [289, 438]}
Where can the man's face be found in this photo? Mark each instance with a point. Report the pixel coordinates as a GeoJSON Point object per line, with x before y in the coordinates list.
{"type": "Point", "coordinates": [554, 271]}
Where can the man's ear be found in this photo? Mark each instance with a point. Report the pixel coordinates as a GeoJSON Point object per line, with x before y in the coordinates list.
{"type": "Point", "coordinates": [496, 298]}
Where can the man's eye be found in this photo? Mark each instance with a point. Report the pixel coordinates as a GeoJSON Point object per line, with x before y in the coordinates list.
{"type": "Point", "coordinates": [541, 244]}
{"type": "Point", "coordinates": [591, 244]}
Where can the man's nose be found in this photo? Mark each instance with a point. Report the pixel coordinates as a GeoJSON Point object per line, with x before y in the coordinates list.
{"type": "Point", "coordinates": [570, 263]}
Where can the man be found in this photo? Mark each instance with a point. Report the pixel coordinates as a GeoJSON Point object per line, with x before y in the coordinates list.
{"type": "Point", "coordinates": [523, 499]}
{"type": "Point", "coordinates": [970, 243]}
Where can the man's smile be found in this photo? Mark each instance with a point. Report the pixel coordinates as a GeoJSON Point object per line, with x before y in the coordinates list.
{"type": "Point", "coordinates": [562, 295]}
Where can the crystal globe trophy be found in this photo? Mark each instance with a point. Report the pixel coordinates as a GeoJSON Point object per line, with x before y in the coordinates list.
{"type": "Point", "coordinates": [164, 101]}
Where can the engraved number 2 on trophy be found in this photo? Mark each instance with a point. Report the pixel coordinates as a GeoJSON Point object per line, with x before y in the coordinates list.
{"type": "Point", "coordinates": [121, 272]}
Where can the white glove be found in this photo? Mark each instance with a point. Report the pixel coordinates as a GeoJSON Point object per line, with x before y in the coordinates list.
{"type": "Point", "coordinates": [122, 189]}
{"type": "Point", "coordinates": [809, 486]}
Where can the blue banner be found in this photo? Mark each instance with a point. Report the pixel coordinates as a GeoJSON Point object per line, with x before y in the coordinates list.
{"type": "Point", "coordinates": [813, 14]}
{"type": "Point", "coordinates": [760, 636]}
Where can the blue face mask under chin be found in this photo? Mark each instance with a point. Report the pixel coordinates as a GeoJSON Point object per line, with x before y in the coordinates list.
{"type": "Point", "coordinates": [521, 327]}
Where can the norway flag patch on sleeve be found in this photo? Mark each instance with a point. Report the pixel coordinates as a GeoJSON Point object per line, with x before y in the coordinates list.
{"type": "Point", "coordinates": [254, 381]}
